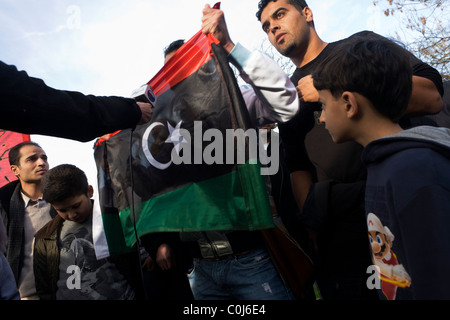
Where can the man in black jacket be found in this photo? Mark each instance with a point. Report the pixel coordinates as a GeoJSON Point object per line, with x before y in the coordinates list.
{"type": "Point", "coordinates": [28, 105]}
{"type": "Point", "coordinates": [24, 212]}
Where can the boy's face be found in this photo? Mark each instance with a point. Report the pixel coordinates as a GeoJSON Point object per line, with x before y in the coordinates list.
{"type": "Point", "coordinates": [334, 116]}
{"type": "Point", "coordinates": [75, 208]}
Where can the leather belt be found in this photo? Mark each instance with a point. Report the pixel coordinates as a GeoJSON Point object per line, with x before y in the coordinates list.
{"type": "Point", "coordinates": [224, 257]}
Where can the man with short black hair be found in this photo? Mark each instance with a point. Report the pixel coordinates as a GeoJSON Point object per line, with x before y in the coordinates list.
{"type": "Point", "coordinates": [24, 212]}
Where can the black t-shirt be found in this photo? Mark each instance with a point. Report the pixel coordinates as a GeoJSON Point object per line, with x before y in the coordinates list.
{"type": "Point", "coordinates": [309, 145]}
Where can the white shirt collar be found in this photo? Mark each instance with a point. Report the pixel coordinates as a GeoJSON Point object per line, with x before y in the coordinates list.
{"type": "Point", "coordinates": [39, 203]}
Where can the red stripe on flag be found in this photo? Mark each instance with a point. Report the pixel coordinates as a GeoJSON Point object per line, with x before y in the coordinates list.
{"type": "Point", "coordinates": [105, 138]}
{"type": "Point", "coordinates": [187, 60]}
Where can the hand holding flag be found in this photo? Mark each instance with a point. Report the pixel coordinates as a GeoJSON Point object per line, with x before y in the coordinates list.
{"type": "Point", "coordinates": [213, 22]}
{"type": "Point", "coordinates": [146, 110]}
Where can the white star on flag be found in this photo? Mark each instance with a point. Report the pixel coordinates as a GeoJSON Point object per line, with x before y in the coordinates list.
{"type": "Point", "coordinates": [175, 137]}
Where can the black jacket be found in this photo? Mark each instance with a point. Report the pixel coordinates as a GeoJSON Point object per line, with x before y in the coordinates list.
{"type": "Point", "coordinates": [13, 212]}
{"type": "Point", "coordinates": [29, 106]}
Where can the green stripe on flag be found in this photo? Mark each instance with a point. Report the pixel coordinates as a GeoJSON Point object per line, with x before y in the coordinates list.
{"type": "Point", "coordinates": [234, 201]}
{"type": "Point", "coordinates": [114, 235]}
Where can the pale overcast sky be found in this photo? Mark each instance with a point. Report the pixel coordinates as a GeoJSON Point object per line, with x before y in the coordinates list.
{"type": "Point", "coordinates": [112, 47]}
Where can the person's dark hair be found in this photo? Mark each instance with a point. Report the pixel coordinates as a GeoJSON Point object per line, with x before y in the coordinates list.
{"type": "Point", "coordinates": [62, 182]}
{"type": "Point", "coordinates": [174, 46]}
{"type": "Point", "coordinates": [299, 4]}
{"type": "Point", "coordinates": [378, 69]}
{"type": "Point", "coordinates": [14, 152]}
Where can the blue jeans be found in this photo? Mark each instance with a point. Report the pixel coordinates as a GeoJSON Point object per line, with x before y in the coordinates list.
{"type": "Point", "coordinates": [251, 276]}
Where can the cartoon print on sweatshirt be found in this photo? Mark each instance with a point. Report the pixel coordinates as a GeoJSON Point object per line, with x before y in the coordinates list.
{"type": "Point", "coordinates": [391, 272]}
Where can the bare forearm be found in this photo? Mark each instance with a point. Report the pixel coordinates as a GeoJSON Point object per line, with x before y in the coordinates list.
{"type": "Point", "coordinates": [301, 183]}
{"type": "Point", "coordinates": [425, 98]}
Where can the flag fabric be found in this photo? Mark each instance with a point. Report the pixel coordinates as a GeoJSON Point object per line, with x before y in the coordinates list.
{"type": "Point", "coordinates": [8, 139]}
{"type": "Point", "coordinates": [177, 173]}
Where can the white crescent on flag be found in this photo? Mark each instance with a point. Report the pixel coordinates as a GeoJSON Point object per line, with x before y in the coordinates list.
{"type": "Point", "coordinates": [175, 137]}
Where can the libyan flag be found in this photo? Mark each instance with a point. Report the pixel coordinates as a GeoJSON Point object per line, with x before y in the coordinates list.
{"type": "Point", "coordinates": [8, 139]}
{"type": "Point", "coordinates": [144, 187]}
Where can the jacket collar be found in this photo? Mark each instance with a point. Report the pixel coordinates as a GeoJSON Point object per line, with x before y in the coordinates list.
{"type": "Point", "coordinates": [51, 229]}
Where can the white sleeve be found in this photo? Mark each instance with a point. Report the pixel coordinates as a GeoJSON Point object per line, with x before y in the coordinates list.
{"type": "Point", "coordinates": [270, 96]}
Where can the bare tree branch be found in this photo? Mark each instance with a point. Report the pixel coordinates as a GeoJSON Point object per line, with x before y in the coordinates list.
{"type": "Point", "coordinates": [427, 29]}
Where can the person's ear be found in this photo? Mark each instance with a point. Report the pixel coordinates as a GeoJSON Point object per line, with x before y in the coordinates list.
{"type": "Point", "coordinates": [351, 104]}
{"type": "Point", "coordinates": [308, 14]}
{"type": "Point", "coordinates": [90, 191]}
{"type": "Point", "coordinates": [15, 170]}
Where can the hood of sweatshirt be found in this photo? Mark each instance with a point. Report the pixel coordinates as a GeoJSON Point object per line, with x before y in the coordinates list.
{"type": "Point", "coordinates": [435, 138]}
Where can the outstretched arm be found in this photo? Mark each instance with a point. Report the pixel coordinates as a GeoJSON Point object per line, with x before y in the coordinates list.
{"type": "Point", "coordinates": [29, 106]}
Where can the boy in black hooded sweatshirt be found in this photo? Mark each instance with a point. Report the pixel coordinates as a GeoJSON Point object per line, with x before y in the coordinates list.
{"type": "Point", "coordinates": [364, 90]}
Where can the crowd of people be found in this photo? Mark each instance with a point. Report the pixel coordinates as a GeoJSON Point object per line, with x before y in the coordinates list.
{"type": "Point", "coordinates": [364, 180]}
